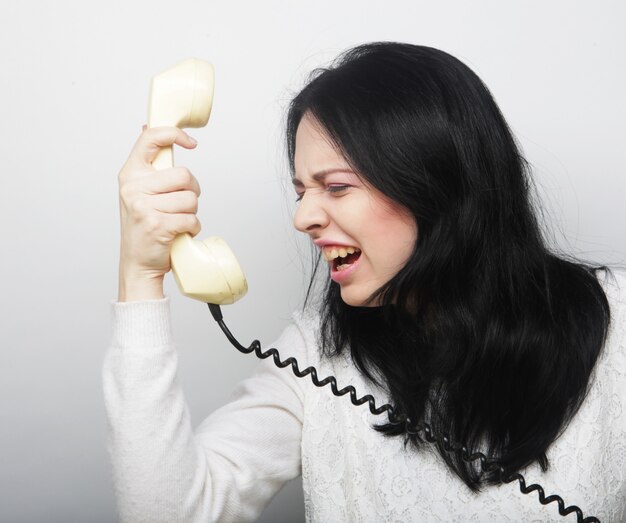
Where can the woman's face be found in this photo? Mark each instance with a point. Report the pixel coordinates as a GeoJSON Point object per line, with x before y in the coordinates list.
{"type": "Point", "coordinates": [364, 236]}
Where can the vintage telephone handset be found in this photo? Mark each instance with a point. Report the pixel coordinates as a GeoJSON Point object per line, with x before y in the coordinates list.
{"type": "Point", "coordinates": [208, 271]}
{"type": "Point", "coordinates": [204, 270]}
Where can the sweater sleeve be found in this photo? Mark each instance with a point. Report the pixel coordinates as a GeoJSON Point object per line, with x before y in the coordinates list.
{"type": "Point", "coordinates": [233, 464]}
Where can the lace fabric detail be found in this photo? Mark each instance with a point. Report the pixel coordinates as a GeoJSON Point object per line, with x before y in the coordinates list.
{"type": "Point", "coordinates": [352, 473]}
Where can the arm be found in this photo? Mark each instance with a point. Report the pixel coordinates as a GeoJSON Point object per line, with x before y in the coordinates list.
{"type": "Point", "coordinates": [162, 471]}
{"type": "Point", "coordinates": [237, 460]}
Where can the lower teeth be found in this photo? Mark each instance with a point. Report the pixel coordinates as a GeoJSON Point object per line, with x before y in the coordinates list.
{"type": "Point", "coordinates": [342, 267]}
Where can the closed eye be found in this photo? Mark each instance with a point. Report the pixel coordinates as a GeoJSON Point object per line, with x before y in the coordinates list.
{"type": "Point", "coordinates": [337, 188]}
{"type": "Point", "coordinates": [333, 189]}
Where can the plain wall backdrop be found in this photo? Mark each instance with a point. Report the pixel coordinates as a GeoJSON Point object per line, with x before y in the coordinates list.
{"type": "Point", "coordinates": [74, 87]}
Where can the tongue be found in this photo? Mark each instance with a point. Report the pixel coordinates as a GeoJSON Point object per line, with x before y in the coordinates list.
{"type": "Point", "coordinates": [349, 259]}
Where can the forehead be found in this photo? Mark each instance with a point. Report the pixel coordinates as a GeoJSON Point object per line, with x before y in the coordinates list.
{"type": "Point", "coordinates": [315, 154]}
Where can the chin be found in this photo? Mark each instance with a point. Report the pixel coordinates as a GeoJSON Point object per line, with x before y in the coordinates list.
{"type": "Point", "coordinates": [357, 299]}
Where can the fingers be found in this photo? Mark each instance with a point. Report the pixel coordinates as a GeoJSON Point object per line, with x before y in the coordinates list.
{"type": "Point", "coordinates": [181, 202]}
{"type": "Point", "coordinates": [170, 180]}
{"type": "Point", "coordinates": [182, 223]}
{"type": "Point", "coordinates": [172, 191]}
{"type": "Point", "coordinates": [164, 215]}
{"type": "Point", "coordinates": [138, 199]}
{"type": "Point", "coordinates": [161, 227]}
{"type": "Point", "coordinates": [151, 140]}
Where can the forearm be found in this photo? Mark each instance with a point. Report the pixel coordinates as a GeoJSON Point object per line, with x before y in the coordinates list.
{"type": "Point", "coordinates": [155, 460]}
{"type": "Point", "coordinates": [162, 471]}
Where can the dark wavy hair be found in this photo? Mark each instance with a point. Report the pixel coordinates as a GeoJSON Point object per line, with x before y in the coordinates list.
{"type": "Point", "coordinates": [485, 333]}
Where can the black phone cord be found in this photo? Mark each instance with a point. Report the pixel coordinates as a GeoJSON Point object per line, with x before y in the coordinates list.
{"type": "Point", "coordinates": [486, 464]}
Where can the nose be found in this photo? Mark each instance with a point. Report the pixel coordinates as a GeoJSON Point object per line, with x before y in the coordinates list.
{"type": "Point", "coordinates": [310, 216]}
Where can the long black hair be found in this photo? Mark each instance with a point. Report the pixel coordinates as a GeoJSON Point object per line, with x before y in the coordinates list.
{"type": "Point", "coordinates": [485, 333]}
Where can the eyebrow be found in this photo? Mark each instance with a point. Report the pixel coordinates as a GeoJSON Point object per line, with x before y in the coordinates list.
{"type": "Point", "coordinates": [319, 176]}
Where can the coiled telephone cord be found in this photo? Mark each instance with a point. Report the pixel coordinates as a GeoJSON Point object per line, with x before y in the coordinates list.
{"type": "Point", "coordinates": [485, 464]}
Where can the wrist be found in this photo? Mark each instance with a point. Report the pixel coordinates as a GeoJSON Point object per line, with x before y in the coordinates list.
{"type": "Point", "coordinates": [138, 286]}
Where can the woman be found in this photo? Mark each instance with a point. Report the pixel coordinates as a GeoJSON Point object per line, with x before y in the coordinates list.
{"type": "Point", "coordinates": [441, 298]}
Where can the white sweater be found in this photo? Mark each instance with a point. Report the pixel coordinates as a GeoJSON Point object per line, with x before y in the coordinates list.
{"type": "Point", "coordinates": [278, 426]}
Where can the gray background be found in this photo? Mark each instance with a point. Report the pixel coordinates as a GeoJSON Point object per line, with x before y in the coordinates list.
{"type": "Point", "coordinates": [74, 88]}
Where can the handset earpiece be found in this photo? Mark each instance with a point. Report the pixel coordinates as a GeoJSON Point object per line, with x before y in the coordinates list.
{"type": "Point", "coordinates": [207, 270]}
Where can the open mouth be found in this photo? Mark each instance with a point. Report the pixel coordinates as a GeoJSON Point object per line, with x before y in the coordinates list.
{"type": "Point", "coordinates": [341, 257]}
{"type": "Point", "coordinates": [341, 263]}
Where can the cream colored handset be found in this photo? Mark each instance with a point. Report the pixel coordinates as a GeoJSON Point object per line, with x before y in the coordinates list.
{"type": "Point", "coordinates": [206, 270]}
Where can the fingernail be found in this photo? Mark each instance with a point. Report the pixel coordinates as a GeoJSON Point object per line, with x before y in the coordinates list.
{"type": "Point", "coordinates": [192, 140]}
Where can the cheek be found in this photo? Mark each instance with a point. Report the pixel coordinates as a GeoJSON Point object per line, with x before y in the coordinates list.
{"type": "Point", "coordinates": [396, 234]}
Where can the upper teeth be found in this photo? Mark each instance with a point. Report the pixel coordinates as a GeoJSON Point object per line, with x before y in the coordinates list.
{"type": "Point", "coordinates": [330, 253]}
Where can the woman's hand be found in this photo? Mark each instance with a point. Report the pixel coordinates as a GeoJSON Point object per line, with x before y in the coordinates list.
{"type": "Point", "coordinates": [155, 206]}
